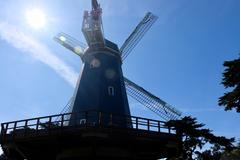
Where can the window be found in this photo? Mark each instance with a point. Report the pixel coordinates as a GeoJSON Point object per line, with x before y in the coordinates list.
{"type": "Point", "coordinates": [111, 90]}
{"type": "Point", "coordinates": [91, 65]}
{"type": "Point", "coordinates": [82, 121]}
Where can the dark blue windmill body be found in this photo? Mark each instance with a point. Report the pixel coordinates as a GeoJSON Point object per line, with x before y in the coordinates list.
{"type": "Point", "coordinates": [101, 84]}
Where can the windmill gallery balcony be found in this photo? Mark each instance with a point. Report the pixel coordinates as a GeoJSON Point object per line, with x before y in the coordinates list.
{"type": "Point", "coordinates": [96, 132]}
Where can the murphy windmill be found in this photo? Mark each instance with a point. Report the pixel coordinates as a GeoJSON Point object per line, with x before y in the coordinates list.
{"type": "Point", "coordinates": [101, 85]}
{"type": "Point", "coordinates": [99, 124]}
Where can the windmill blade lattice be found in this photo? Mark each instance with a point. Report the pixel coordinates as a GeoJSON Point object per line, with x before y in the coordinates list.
{"type": "Point", "coordinates": [71, 43]}
{"type": "Point", "coordinates": [137, 34]}
{"type": "Point", "coordinates": [155, 104]}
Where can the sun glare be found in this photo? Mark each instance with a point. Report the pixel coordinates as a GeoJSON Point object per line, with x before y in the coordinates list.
{"type": "Point", "coordinates": [36, 18]}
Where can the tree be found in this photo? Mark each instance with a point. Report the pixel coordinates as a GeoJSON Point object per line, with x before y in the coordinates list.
{"type": "Point", "coordinates": [214, 153]}
{"type": "Point", "coordinates": [231, 79]}
{"type": "Point", "coordinates": [233, 155]}
{"type": "Point", "coordinates": [195, 137]}
{"type": "Point", "coordinates": [2, 157]}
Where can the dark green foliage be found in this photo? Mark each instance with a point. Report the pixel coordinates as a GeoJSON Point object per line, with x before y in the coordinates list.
{"type": "Point", "coordinates": [195, 137]}
{"type": "Point", "coordinates": [214, 153]}
{"type": "Point", "coordinates": [49, 125]}
{"type": "Point", "coordinates": [231, 79]}
{"type": "Point", "coordinates": [233, 155]}
{"type": "Point", "coordinates": [3, 157]}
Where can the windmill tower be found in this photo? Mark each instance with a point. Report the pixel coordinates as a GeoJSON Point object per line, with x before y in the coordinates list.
{"type": "Point", "coordinates": [99, 125]}
{"type": "Point", "coordinates": [101, 85]}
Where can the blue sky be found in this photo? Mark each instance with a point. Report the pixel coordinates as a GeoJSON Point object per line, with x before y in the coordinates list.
{"type": "Point", "coordinates": [180, 59]}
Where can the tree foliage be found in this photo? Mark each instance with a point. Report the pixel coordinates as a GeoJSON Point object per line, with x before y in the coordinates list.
{"type": "Point", "coordinates": [3, 157]}
{"type": "Point", "coordinates": [214, 153]}
{"type": "Point", "coordinates": [233, 155]}
{"type": "Point", "coordinates": [231, 79]}
{"type": "Point", "coordinates": [194, 137]}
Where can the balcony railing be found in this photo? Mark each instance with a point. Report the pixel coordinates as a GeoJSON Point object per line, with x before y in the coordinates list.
{"type": "Point", "coordinates": [86, 119]}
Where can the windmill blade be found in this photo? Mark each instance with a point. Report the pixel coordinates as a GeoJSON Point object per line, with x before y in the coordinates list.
{"type": "Point", "coordinates": [150, 101]}
{"type": "Point", "coordinates": [137, 34]}
{"type": "Point", "coordinates": [66, 109]}
{"type": "Point", "coordinates": [70, 43]}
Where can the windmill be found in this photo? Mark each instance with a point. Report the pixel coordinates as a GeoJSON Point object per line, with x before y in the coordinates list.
{"type": "Point", "coordinates": [101, 85]}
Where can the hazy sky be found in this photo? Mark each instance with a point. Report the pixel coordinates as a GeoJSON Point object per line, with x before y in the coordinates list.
{"type": "Point", "coordinates": [180, 59]}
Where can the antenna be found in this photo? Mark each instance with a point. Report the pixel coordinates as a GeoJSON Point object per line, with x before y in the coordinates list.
{"type": "Point", "coordinates": [95, 5]}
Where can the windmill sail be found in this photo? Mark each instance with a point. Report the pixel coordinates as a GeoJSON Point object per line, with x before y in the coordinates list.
{"type": "Point", "coordinates": [137, 34]}
{"type": "Point", "coordinates": [70, 43]}
{"type": "Point", "coordinates": [152, 102]}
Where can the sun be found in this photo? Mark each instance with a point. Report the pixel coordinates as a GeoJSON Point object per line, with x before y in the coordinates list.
{"type": "Point", "coordinates": [36, 18]}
